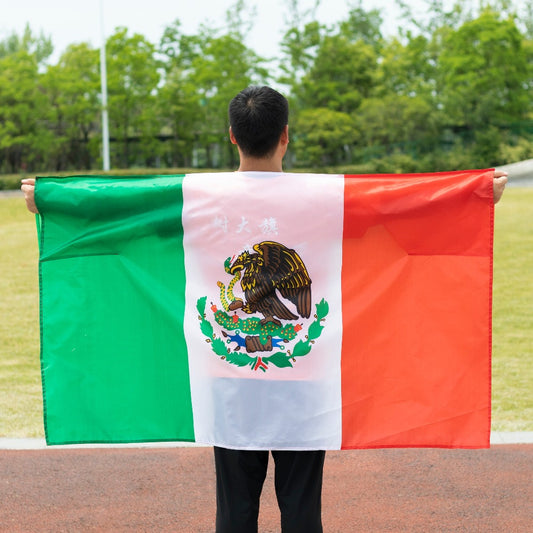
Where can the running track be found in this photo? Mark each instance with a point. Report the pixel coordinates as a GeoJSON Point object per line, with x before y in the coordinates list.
{"type": "Point", "coordinates": [63, 489]}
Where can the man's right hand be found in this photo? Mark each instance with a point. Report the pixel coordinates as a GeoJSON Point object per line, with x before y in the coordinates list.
{"type": "Point", "coordinates": [28, 188]}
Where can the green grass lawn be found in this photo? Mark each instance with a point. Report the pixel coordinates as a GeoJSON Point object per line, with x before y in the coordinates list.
{"type": "Point", "coordinates": [20, 388]}
{"type": "Point", "coordinates": [513, 312]}
{"type": "Point", "coordinates": [20, 380]}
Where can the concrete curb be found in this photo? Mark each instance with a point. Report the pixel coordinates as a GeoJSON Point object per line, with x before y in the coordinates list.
{"type": "Point", "coordinates": [496, 437]}
{"type": "Point", "coordinates": [40, 444]}
{"type": "Point", "coordinates": [511, 437]}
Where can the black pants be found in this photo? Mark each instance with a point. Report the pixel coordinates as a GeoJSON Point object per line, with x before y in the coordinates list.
{"type": "Point", "coordinates": [298, 483]}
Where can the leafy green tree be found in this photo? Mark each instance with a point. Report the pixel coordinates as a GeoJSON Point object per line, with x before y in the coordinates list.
{"type": "Point", "coordinates": [363, 25]}
{"type": "Point", "coordinates": [240, 19]}
{"type": "Point", "coordinates": [225, 67]}
{"type": "Point", "coordinates": [72, 87]}
{"type": "Point", "coordinates": [324, 137]}
{"type": "Point", "coordinates": [402, 113]}
{"type": "Point", "coordinates": [406, 68]}
{"type": "Point", "coordinates": [331, 71]}
{"type": "Point", "coordinates": [451, 89]}
{"type": "Point", "coordinates": [38, 46]}
{"type": "Point", "coordinates": [178, 102]}
{"type": "Point", "coordinates": [527, 19]}
{"type": "Point", "coordinates": [471, 69]}
{"type": "Point", "coordinates": [178, 107]}
{"type": "Point", "coordinates": [431, 18]}
{"type": "Point", "coordinates": [484, 75]}
{"type": "Point", "coordinates": [398, 122]}
{"type": "Point", "coordinates": [203, 72]}
{"type": "Point", "coordinates": [527, 47]}
{"type": "Point", "coordinates": [132, 80]}
{"type": "Point", "coordinates": [24, 138]}
{"type": "Point", "coordinates": [300, 42]}
{"type": "Point", "coordinates": [342, 75]}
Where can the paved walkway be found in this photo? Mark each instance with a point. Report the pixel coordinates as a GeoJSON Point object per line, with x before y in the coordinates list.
{"type": "Point", "coordinates": [172, 490]}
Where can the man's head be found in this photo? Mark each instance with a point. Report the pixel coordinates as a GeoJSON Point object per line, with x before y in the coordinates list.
{"type": "Point", "coordinates": [258, 117]}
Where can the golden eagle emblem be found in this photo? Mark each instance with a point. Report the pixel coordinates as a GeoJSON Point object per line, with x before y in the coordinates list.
{"type": "Point", "coordinates": [271, 271]}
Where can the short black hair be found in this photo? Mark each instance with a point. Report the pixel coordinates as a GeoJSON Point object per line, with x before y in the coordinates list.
{"type": "Point", "coordinates": [257, 116]}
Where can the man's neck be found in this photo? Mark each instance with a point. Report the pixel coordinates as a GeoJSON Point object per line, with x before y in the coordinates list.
{"type": "Point", "coordinates": [251, 164]}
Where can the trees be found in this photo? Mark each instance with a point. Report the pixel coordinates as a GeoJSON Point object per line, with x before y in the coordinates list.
{"type": "Point", "coordinates": [452, 82]}
{"type": "Point", "coordinates": [202, 73]}
{"type": "Point", "coordinates": [222, 67]}
{"type": "Point", "coordinates": [328, 98]}
{"type": "Point", "coordinates": [482, 70]}
{"type": "Point", "coordinates": [483, 76]}
{"type": "Point", "coordinates": [38, 46]}
{"type": "Point", "coordinates": [324, 137]}
{"type": "Point", "coordinates": [24, 137]}
{"type": "Point", "coordinates": [342, 75]}
{"type": "Point", "coordinates": [72, 89]}
{"type": "Point", "coordinates": [132, 81]}
{"type": "Point", "coordinates": [334, 71]}
{"type": "Point", "coordinates": [451, 88]}
{"type": "Point", "coordinates": [178, 102]}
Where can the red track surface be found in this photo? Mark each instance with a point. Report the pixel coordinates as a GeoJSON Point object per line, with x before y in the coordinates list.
{"type": "Point", "coordinates": [172, 489]}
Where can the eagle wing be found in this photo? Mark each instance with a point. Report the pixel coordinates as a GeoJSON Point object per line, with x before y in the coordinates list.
{"type": "Point", "coordinates": [287, 272]}
{"type": "Point", "coordinates": [260, 292]}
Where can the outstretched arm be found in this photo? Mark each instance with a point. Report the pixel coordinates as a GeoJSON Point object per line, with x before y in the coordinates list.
{"type": "Point", "coordinates": [28, 188]}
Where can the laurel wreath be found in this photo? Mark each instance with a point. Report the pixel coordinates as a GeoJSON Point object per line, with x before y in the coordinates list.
{"type": "Point", "coordinates": [251, 325]}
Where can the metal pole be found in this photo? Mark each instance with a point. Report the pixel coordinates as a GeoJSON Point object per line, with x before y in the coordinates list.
{"type": "Point", "coordinates": [103, 81]}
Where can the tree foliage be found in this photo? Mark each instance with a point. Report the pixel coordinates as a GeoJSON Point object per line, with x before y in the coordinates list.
{"type": "Point", "coordinates": [452, 88]}
{"type": "Point", "coordinates": [72, 90]}
{"type": "Point", "coordinates": [24, 137]}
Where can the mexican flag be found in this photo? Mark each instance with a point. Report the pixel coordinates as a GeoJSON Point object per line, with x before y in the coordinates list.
{"type": "Point", "coordinates": [257, 310]}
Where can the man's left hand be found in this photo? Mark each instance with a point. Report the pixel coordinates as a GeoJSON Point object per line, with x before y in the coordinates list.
{"type": "Point", "coordinates": [500, 180]}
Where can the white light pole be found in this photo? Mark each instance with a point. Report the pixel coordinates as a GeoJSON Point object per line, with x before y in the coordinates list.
{"type": "Point", "coordinates": [103, 81]}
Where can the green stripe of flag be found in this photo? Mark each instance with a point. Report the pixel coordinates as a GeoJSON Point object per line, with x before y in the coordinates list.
{"type": "Point", "coordinates": [100, 367]}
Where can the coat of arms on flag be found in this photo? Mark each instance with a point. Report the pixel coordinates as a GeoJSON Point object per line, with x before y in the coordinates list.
{"type": "Point", "coordinates": [269, 275]}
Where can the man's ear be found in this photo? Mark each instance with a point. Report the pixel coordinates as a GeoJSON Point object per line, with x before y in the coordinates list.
{"type": "Point", "coordinates": [284, 138]}
{"type": "Point", "coordinates": [232, 137]}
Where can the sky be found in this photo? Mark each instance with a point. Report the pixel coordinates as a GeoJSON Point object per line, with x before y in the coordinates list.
{"type": "Point", "coordinates": [70, 21]}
